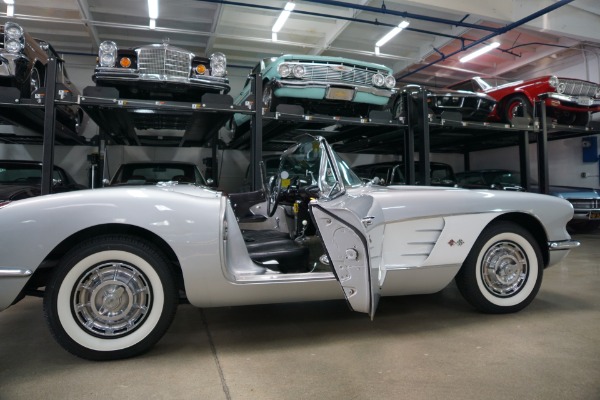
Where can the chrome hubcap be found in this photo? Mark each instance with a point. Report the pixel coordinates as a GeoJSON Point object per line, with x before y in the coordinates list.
{"type": "Point", "coordinates": [112, 299]}
{"type": "Point", "coordinates": [504, 269]}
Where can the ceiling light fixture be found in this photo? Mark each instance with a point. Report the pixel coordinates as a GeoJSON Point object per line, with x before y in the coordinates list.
{"type": "Point", "coordinates": [10, 8]}
{"type": "Point", "coordinates": [153, 12]}
{"type": "Point", "coordinates": [479, 52]}
{"type": "Point", "coordinates": [282, 18]}
{"type": "Point", "coordinates": [392, 33]}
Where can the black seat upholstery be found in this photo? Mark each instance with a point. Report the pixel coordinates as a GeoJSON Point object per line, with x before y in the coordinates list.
{"type": "Point", "coordinates": [267, 245]}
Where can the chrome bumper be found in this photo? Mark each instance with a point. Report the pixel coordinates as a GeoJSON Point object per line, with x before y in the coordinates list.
{"type": "Point", "coordinates": [563, 245]}
{"type": "Point", "coordinates": [579, 100]}
{"type": "Point", "coordinates": [116, 75]}
{"type": "Point", "coordinates": [8, 62]}
{"type": "Point", "coordinates": [12, 281]}
{"type": "Point", "coordinates": [324, 85]}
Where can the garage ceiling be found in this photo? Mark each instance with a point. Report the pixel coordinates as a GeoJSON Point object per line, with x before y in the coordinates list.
{"type": "Point", "coordinates": [242, 30]}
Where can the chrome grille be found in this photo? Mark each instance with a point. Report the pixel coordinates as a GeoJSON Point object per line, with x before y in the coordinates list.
{"type": "Point", "coordinates": [164, 63]}
{"type": "Point", "coordinates": [335, 73]}
{"type": "Point", "coordinates": [579, 88]}
{"type": "Point", "coordinates": [585, 204]}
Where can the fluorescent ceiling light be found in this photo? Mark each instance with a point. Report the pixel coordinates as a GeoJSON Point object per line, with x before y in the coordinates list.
{"type": "Point", "coordinates": [479, 52]}
{"type": "Point", "coordinates": [392, 33]}
{"type": "Point", "coordinates": [9, 2]}
{"type": "Point", "coordinates": [153, 9]}
{"type": "Point", "coordinates": [10, 10]}
{"type": "Point", "coordinates": [274, 36]}
{"type": "Point", "coordinates": [283, 16]}
{"type": "Point", "coordinates": [152, 24]}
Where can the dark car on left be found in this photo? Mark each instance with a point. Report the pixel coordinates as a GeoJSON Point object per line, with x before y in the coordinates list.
{"type": "Point", "coordinates": [23, 63]}
{"type": "Point", "coordinates": [23, 179]}
{"type": "Point", "coordinates": [160, 72]}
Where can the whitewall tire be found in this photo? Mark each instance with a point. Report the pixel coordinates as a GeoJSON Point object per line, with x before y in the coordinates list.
{"type": "Point", "coordinates": [111, 297]}
{"type": "Point", "coordinates": [503, 272]}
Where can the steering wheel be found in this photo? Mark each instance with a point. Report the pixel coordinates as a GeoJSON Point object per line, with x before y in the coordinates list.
{"type": "Point", "coordinates": [273, 191]}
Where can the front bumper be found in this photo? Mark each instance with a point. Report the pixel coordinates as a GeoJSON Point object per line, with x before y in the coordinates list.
{"type": "Point", "coordinates": [559, 249]}
{"type": "Point", "coordinates": [317, 90]}
{"type": "Point", "coordinates": [10, 62]}
{"type": "Point", "coordinates": [120, 76]}
{"type": "Point", "coordinates": [576, 101]}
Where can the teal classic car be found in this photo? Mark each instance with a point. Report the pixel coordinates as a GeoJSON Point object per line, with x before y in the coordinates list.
{"type": "Point", "coordinates": [321, 85]}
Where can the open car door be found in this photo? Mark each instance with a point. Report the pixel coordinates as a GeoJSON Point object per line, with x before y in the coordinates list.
{"type": "Point", "coordinates": [352, 243]}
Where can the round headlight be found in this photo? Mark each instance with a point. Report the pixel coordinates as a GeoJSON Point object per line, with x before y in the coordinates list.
{"type": "Point", "coordinates": [561, 87]}
{"type": "Point", "coordinates": [390, 81]}
{"type": "Point", "coordinates": [299, 71]}
{"type": "Point", "coordinates": [218, 64]}
{"type": "Point", "coordinates": [13, 46]}
{"type": "Point", "coordinates": [284, 70]}
{"type": "Point", "coordinates": [553, 81]}
{"type": "Point", "coordinates": [597, 94]}
{"type": "Point", "coordinates": [13, 31]}
{"type": "Point", "coordinates": [107, 53]}
{"type": "Point", "coordinates": [378, 80]}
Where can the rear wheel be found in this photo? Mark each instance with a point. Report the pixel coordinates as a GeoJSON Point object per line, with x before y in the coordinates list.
{"type": "Point", "coordinates": [503, 271]}
{"type": "Point", "coordinates": [111, 297]}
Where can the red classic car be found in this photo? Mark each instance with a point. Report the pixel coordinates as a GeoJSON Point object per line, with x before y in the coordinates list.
{"type": "Point", "coordinates": [569, 101]}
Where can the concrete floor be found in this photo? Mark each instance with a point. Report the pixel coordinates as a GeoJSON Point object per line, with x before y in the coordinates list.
{"type": "Point", "coordinates": [418, 347]}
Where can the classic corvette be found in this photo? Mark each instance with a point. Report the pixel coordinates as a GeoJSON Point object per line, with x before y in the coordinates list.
{"type": "Point", "coordinates": [160, 72]}
{"type": "Point", "coordinates": [23, 62]}
{"type": "Point", "coordinates": [321, 85]}
{"type": "Point", "coordinates": [471, 106]}
{"type": "Point", "coordinates": [569, 101]}
{"type": "Point", "coordinates": [114, 262]}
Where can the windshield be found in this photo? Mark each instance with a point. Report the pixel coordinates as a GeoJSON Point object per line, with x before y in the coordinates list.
{"type": "Point", "coordinates": [24, 174]}
{"type": "Point", "coordinates": [307, 159]}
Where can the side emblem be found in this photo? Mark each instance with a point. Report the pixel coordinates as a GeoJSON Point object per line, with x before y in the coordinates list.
{"type": "Point", "coordinates": [458, 242]}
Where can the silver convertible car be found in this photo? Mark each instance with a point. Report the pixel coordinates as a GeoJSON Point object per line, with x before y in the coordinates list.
{"type": "Point", "coordinates": [112, 264]}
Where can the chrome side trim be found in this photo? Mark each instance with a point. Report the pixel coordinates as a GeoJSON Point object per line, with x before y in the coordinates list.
{"type": "Point", "coordinates": [563, 245]}
{"type": "Point", "coordinates": [580, 100]}
{"type": "Point", "coordinates": [6, 272]}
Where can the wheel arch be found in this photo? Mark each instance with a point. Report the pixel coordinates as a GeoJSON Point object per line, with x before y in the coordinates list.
{"type": "Point", "coordinates": [531, 224]}
{"type": "Point", "coordinates": [44, 272]}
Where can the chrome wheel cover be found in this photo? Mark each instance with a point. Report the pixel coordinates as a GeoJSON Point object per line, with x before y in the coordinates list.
{"type": "Point", "coordinates": [112, 299]}
{"type": "Point", "coordinates": [504, 269]}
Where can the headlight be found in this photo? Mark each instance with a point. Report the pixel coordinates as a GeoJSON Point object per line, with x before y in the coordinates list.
{"type": "Point", "coordinates": [553, 81]}
{"type": "Point", "coordinates": [390, 81]}
{"type": "Point", "coordinates": [299, 71]}
{"type": "Point", "coordinates": [597, 94]}
{"type": "Point", "coordinates": [284, 70]}
{"type": "Point", "coordinates": [107, 54]}
{"type": "Point", "coordinates": [378, 80]}
{"type": "Point", "coordinates": [561, 87]}
{"type": "Point", "coordinates": [14, 40]}
{"type": "Point", "coordinates": [218, 64]}
{"type": "Point", "coordinates": [12, 46]}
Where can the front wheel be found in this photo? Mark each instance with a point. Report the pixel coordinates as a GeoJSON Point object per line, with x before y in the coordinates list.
{"type": "Point", "coordinates": [517, 106]}
{"type": "Point", "coordinates": [111, 297]}
{"type": "Point", "coordinates": [503, 271]}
